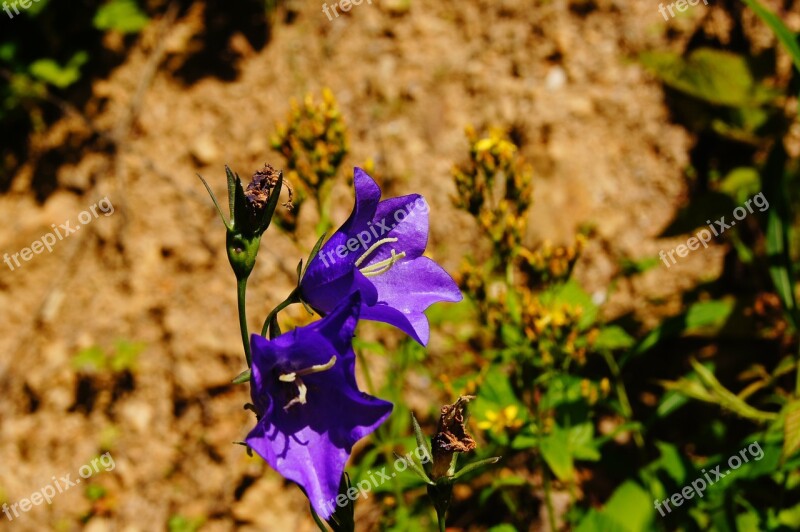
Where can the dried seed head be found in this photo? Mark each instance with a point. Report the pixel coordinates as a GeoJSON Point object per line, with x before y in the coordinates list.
{"type": "Point", "coordinates": [261, 186]}
{"type": "Point", "coordinates": [451, 436]}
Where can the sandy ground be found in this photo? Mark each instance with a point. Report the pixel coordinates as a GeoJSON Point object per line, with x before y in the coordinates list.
{"type": "Point", "coordinates": [594, 126]}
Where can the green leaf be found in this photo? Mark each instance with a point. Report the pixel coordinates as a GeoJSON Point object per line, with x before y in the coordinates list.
{"type": "Point", "coordinates": [632, 505]}
{"type": "Point", "coordinates": [699, 316]}
{"type": "Point", "coordinates": [708, 315]}
{"type": "Point", "coordinates": [791, 429]}
{"type": "Point", "coordinates": [503, 528]}
{"type": "Point", "coordinates": [633, 266]}
{"type": "Point", "coordinates": [673, 462]}
{"type": "Point", "coordinates": [90, 359]}
{"type": "Point", "coordinates": [613, 337]}
{"type": "Point", "coordinates": [778, 229]}
{"type": "Point", "coordinates": [710, 390]}
{"type": "Point", "coordinates": [123, 16]}
{"type": "Point", "coordinates": [786, 36]}
{"type": "Point", "coordinates": [37, 7]}
{"type": "Point", "coordinates": [7, 51]}
{"type": "Point", "coordinates": [496, 390]}
{"type": "Point", "coordinates": [514, 307]}
{"type": "Point", "coordinates": [571, 293]}
{"type": "Point", "coordinates": [49, 71]}
{"type": "Point", "coordinates": [500, 483]}
{"type": "Point", "coordinates": [525, 440]}
{"type": "Point", "coordinates": [95, 492]}
{"type": "Point", "coordinates": [179, 523]}
{"type": "Point", "coordinates": [125, 355]}
{"type": "Point", "coordinates": [741, 183]}
{"type": "Point", "coordinates": [581, 442]}
{"type": "Point", "coordinates": [555, 451]}
{"type": "Point", "coordinates": [597, 521]}
{"type": "Point", "coordinates": [495, 396]}
{"type": "Point", "coordinates": [715, 76]}
{"type": "Point", "coordinates": [790, 517]}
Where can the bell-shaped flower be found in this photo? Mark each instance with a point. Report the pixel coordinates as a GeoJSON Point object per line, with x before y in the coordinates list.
{"type": "Point", "coordinates": [379, 252]}
{"type": "Point", "coordinates": [310, 410]}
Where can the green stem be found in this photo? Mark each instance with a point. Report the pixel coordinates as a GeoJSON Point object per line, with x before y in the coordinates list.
{"type": "Point", "coordinates": [797, 368]}
{"type": "Point", "coordinates": [365, 371]}
{"type": "Point", "coordinates": [441, 520]}
{"type": "Point", "coordinates": [292, 298]}
{"type": "Point", "coordinates": [318, 520]}
{"type": "Point", "coordinates": [241, 290]}
{"type": "Point", "coordinates": [622, 394]}
{"type": "Point", "coordinates": [548, 500]}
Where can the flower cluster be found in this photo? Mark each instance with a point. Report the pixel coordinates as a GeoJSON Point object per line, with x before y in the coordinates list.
{"type": "Point", "coordinates": [496, 186]}
{"type": "Point", "coordinates": [313, 140]}
{"type": "Point", "coordinates": [310, 411]}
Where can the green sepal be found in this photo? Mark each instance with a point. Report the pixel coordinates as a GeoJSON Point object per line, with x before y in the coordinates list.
{"type": "Point", "coordinates": [422, 443]}
{"type": "Point", "coordinates": [314, 252]}
{"type": "Point", "coordinates": [216, 203]}
{"type": "Point", "coordinates": [269, 208]}
{"type": "Point", "coordinates": [241, 213]}
{"type": "Point", "coordinates": [343, 518]}
{"type": "Point", "coordinates": [417, 469]}
{"type": "Point", "coordinates": [242, 377]}
{"type": "Point", "coordinates": [475, 465]}
{"type": "Point", "coordinates": [231, 188]}
{"type": "Point", "coordinates": [274, 328]}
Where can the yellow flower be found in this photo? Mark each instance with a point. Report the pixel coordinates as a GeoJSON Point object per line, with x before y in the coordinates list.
{"type": "Point", "coordinates": [500, 421]}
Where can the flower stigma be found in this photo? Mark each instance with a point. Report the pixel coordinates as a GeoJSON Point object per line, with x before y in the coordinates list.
{"type": "Point", "coordinates": [302, 390]}
{"type": "Point", "coordinates": [379, 267]}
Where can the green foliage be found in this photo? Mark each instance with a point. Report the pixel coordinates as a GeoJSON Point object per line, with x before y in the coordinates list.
{"type": "Point", "coordinates": [95, 492]}
{"type": "Point", "coordinates": [741, 183]}
{"type": "Point", "coordinates": [786, 37]}
{"type": "Point", "coordinates": [630, 509]}
{"type": "Point", "coordinates": [124, 16]}
{"type": "Point", "coordinates": [314, 142]}
{"type": "Point", "coordinates": [49, 71]}
{"type": "Point", "coordinates": [716, 76]}
{"type": "Point", "coordinates": [122, 358]}
{"type": "Point", "coordinates": [495, 187]}
{"type": "Point", "coordinates": [180, 523]}
{"type": "Point", "coordinates": [722, 92]}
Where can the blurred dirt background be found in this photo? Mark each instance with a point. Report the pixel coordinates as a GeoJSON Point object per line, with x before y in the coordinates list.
{"type": "Point", "coordinates": [203, 87]}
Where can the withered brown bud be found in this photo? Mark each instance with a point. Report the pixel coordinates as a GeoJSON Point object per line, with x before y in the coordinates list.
{"type": "Point", "coordinates": [260, 187]}
{"type": "Point", "coordinates": [451, 436]}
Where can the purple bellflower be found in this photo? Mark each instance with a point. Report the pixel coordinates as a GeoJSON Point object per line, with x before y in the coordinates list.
{"type": "Point", "coordinates": [310, 409]}
{"type": "Point", "coordinates": [378, 252]}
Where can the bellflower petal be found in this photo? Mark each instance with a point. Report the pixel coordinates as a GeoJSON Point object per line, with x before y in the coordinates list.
{"type": "Point", "coordinates": [311, 411]}
{"type": "Point", "coordinates": [378, 252]}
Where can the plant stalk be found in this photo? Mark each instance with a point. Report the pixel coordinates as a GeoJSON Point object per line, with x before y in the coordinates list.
{"type": "Point", "coordinates": [241, 291]}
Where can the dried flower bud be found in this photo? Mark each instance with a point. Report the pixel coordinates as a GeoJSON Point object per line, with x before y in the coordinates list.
{"type": "Point", "coordinates": [451, 437]}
